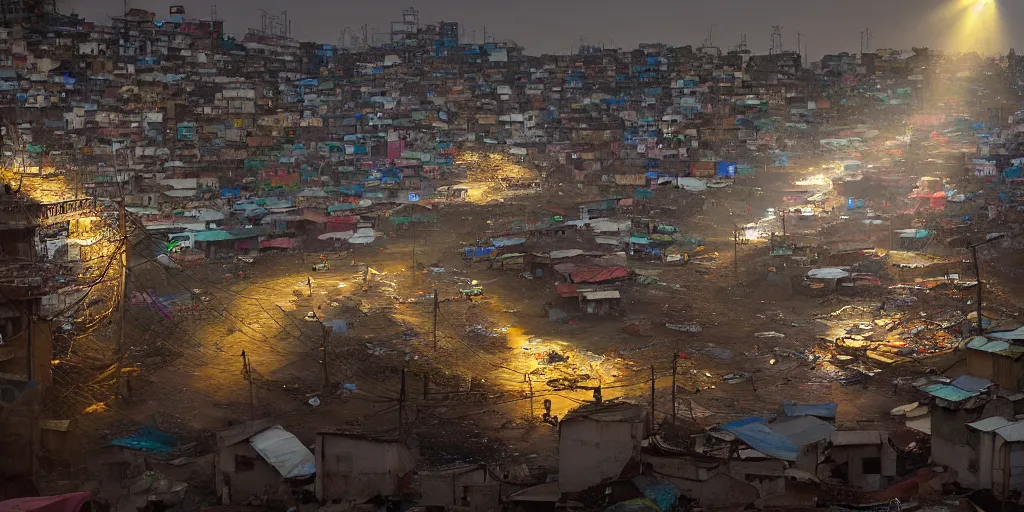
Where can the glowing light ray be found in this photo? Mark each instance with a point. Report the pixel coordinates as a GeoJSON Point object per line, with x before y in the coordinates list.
{"type": "Point", "coordinates": [971, 25]}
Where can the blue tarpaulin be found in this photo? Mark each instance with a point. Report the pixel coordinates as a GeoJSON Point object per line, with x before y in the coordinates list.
{"type": "Point", "coordinates": [148, 440]}
{"type": "Point", "coordinates": [761, 438]}
{"type": "Point", "coordinates": [725, 169]}
{"type": "Point", "coordinates": [230, 192]}
{"type": "Point", "coordinates": [477, 252]}
{"type": "Point", "coordinates": [826, 410]}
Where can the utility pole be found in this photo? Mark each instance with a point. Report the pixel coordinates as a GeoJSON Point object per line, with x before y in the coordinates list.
{"type": "Point", "coordinates": [325, 379]}
{"type": "Point", "coordinates": [401, 403]}
{"type": "Point", "coordinates": [977, 275]}
{"type": "Point", "coordinates": [652, 396]}
{"type": "Point", "coordinates": [675, 362]}
{"type": "Point", "coordinates": [437, 306]}
{"type": "Point", "coordinates": [783, 215]}
{"type": "Point", "coordinates": [529, 382]}
{"type": "Point", "coordinates": [247, 372]}
{"type": "Point", "coordinates": [121, 307]}
{"type": "Point", "coordinates": [735, 251]}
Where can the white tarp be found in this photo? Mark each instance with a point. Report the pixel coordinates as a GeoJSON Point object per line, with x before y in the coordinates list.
{"type": "Point", "coordinates": [166, 261]}
{"type": "Point", "coordinates": [363, 236]}
{"type": "Point", "coordinates": [336, 235]}
{"type": "Point", "coordinates": [827, 273]}
{"type": "Point", "coordinates": [692, 184]}
{"type": "Point", "coordinates": [285, 452]}
{"type": "Point", "coordinates": [609, 226]}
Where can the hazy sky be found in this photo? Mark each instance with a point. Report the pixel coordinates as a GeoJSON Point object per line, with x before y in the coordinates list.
{"type": "Point", "coordinates": [543, 26]}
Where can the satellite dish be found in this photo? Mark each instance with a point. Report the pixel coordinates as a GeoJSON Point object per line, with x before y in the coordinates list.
{"type": "Point", "coordinates": [442, 115]}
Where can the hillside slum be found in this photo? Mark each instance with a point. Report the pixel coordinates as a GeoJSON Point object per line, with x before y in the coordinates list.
{"type": "Point", "coordinates": [260, 272]}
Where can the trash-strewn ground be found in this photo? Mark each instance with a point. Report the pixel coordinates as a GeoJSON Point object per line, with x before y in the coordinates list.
{"type": "Point", "coordinates": [745, 345]}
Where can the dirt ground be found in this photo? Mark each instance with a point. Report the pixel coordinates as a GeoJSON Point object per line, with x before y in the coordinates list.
{"type": "Point", "coordinates": [469, 399]}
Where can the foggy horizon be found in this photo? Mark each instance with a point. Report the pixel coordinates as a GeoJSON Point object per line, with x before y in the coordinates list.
{"type": "Point", "coordinates": [897, 25]}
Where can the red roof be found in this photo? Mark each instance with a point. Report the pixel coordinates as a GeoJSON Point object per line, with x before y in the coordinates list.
{"type": "Point", "coordinates": [63, 503]}
{"type": "Point", "coordinates": [597, 274]}
{"type": "Point", "coordinates": [567, 290]}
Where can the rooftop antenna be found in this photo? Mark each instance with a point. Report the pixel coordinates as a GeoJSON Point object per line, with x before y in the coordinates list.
{"type": "Point", "coordinates": [709, 44]}
{"type": "Point", "coordinates": [776, 46]}
{"type": "Point", "coordinates": [868, 32]}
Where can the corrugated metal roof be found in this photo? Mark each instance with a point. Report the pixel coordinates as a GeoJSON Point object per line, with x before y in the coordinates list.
{"type": "Point", "coordinates": [947, 392]}
{"type": "Point", "coordinates": [826, 410]}
{"type": "Point", "coordinates": [1013, 433]}
{"type": "Point", "coordinates": [971, 384]}
{"type": "Point", "coordinates": [1000, 347]}
{"type": "Point", "coordinates": [990, 424]}
{"type": "Point", "coordinates": [856, 437]}
{"type": "Point", "coordinates": [597, 274]}
{"type": "Point", "coordinates": [566, 290]}
{"type": "Point", "coordinates": [803, 430]}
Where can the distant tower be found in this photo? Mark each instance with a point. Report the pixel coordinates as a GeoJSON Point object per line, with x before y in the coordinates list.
{"type": "Point", "coordinates": [776, 46]}
{"type": "Point", "coordinates": [409, 25]}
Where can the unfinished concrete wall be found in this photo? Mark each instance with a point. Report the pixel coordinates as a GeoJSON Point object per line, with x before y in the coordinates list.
{"type": "Point", "coordinates": [242, 472]}
{"type": "Point", "coordinates": [590, 451]}
{"type": "Point", "coordinates": [349, 467]}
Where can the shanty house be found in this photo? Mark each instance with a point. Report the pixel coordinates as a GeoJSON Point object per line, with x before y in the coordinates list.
{"type": "Point", "coordinates": [1000, 455]}
{"type": "Point", "coordinates": [597, 441]}
{"type": "Point", "coordinates": [357, 467]}
{"type": "Point", "coordinates": [1001, 361]}
{"type": "Point", "coordinates": [862, 458]}
{"type": "Point", "coordinates": [955, 404]}
{"type": "Point", "coordinates": [591, 300]}
{"type": "Point", "coordinates": [472, 486]}
{"type": "Point", "coordinates": [258, 459]}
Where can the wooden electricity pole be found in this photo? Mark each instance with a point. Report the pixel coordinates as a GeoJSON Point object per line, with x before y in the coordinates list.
{"type": "Point", "coordinates": [325, 378]}
{"type": "Point", "coordinates": [529, 382]}
{"type": "Point", "coordinates": [652, 396]}
{"type": "Point", "coordinates": [247, 372]}
{"type": "Point", "coordinates": [121, 307]}
{"type": "Point", "coordinates": [735, 252]}
{"type": "Point", "coordinates": [436, 307]}
{"type": "Point", "coordinates": [675, 362]}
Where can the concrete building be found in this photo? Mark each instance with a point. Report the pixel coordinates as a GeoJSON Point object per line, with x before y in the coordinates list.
{"type": "Point", "coordinates": [862, 458]}
{"type": "Point", "coordinates": [258, 459]}
{"type": "Point", "coordinates": [597, 441]}
{"type": "Point", "coordinates": [352, 467]}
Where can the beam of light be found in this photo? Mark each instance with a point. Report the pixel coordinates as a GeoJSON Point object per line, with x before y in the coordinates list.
{"type": "Point", "coordinates": [971, 26]}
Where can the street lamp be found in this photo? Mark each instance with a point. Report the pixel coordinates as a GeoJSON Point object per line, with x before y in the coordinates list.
{"type": "Point", "coordinates": [977, 276]}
